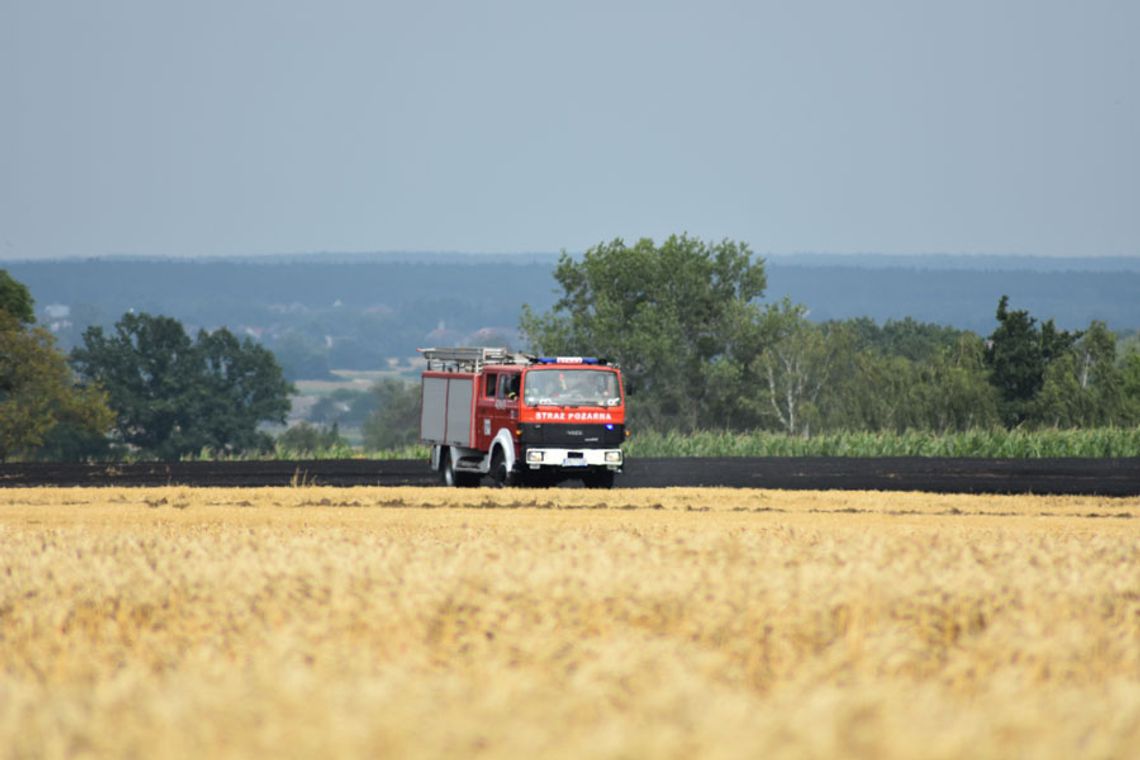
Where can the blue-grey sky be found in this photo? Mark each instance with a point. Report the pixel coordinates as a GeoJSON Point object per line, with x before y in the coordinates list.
{"type": "Point", "coordinates": [247, 127]}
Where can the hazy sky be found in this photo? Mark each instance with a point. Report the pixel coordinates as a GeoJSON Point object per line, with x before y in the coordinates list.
{"type": "Point", "coordinates": [234, 127]}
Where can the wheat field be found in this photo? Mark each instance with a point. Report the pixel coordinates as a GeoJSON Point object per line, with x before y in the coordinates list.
{"type": "Point", "coordinates": [681, 623]}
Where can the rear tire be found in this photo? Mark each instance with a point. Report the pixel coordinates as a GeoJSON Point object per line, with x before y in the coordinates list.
{"type": "Point", "coordinates": [452, 478]}
{"type": "Point", "coordinates": [446, 474]}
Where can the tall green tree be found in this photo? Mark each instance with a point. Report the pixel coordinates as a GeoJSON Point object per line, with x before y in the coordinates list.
{"type": "Point", "coordinates": [682, 318]}
{"type": "Point", "coordinates": [15, 300]}
{"type": "Point", "coordinates": [38, 393]}
{"type": "Point", "coordinates": [869, 390]}
{"type": "Point", "coordinates": [243, 385]}
{"type": "Point", "coordinates": [174, 396]}
{"type": "Point", "coordinates": [149, 368]}
{"type": "Point", "coordinates": [1017, 354]}
{"type": "Point", "coordinates": [801, 367]}
{"type": "Point", "coordinates": [904, 375]}
{"type": "Point", "coordinates": [1083, 385]}
{"type": "Point", "coordinates": [952, 392]}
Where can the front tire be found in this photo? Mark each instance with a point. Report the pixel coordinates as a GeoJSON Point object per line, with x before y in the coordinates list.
{"type": "Point", "coordinates": [500, 476]}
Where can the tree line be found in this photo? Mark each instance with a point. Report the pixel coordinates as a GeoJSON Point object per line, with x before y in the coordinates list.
{"type": "Point", "coordinates": [147, 388]}
{"type": "Point", "coordinates": [699, 349]}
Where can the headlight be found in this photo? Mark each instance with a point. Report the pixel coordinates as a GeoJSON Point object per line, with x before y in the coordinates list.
{"type": "Point", "coordinates": [534, 457]}
{"type": "Point", "coordinates": [613, 457]}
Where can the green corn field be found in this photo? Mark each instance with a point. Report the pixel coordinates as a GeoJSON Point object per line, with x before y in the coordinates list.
{"type": "Point", "coordinates": [986, 444]}
{"type": "Point", "coordinates": [1000, 444]}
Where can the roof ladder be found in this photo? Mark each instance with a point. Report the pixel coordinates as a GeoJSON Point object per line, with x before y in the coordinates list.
{"type": "Point", "coordinates": [470, 358]}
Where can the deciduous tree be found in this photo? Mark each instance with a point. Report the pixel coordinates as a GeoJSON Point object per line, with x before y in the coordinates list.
{"type": "Point", "coordinates": [15, 300]}
{"type": "Point", "coordinates": [174, 396]}
{"type": "Point", "coordinates": [1083, 386]}
{"type": "Point", "coordinates": [951, 392]}
{"type": "Point", "coordinates": [243, 386]}
{"type": "Point", "coordinates": [800, 366]}
{"type": "Point", "coordinates": [682, 318]}
{"type": "Point", "coordinates": [37, 391]}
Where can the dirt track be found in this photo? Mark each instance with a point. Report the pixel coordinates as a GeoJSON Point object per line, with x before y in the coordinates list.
{"type": "Point", "coordinates": [1106, 477]}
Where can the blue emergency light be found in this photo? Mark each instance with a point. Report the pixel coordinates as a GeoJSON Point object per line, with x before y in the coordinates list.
{"type": "Point", "coordinates": [567, 360]}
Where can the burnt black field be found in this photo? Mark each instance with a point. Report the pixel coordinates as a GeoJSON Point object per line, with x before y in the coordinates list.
{"type": "Point", "coordinates": [1103, 477]}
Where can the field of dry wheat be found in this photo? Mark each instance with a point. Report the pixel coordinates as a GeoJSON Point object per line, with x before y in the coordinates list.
{"type": "Point", "coordinates": [671, 623]}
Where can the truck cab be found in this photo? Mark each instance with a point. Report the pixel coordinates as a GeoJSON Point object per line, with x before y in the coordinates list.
{"type": "Point", "coordinates": [522, 419]}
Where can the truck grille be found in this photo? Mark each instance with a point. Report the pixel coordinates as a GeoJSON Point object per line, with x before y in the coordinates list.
{"type": "Point", "coordinates": [572, 436]}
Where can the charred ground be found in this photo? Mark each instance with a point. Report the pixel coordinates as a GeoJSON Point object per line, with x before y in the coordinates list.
{"type": "Point", "coordinates": [1104, 477]}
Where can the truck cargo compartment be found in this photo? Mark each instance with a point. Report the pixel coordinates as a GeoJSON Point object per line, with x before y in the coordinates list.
{"type": "Point", "coordinates": [446, 413]}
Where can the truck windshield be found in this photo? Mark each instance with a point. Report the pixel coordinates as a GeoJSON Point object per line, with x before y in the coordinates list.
{"type": "Point", "coordinates": [571, 387]}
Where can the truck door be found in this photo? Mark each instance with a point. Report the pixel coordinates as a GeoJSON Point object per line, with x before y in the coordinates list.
{"type": "Point", "coordinates": [506, 414]}
{"type": "Point", "coordinates": [485, 410]}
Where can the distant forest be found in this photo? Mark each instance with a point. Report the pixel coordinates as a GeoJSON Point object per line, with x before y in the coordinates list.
{"type": "Point", "coordinates": [331, 311]}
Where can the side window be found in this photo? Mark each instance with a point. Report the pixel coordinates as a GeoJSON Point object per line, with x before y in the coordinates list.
{"type": "Point", "coordinates": [491, 378]}
{"type": "Point", "coordinates": [509, 386]}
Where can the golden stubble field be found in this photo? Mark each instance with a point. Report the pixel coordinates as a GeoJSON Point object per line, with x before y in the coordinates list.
{"type": "Point", "coordinates": [658, 623]}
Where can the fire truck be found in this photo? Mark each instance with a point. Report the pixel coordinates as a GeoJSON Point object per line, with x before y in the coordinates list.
{"type": "Point", "coordinates": [521, 419]}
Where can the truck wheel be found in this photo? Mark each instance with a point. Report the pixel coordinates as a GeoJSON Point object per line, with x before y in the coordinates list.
{"type": "Point", "coordinates": [446, 474]}
{"type": "Point", "coordinates": [499, 475]}
{"type": "Point", "coordinates": [600, 479]}
{"type": "Point", "coordinates": [451, 477]}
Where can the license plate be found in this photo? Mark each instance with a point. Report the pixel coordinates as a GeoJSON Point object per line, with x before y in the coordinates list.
{"type": "Point", "coordinates": [577, 462]}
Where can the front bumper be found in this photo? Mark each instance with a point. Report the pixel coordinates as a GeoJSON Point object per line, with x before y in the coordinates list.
{"type": "Point", "coordinates": [537, 457]}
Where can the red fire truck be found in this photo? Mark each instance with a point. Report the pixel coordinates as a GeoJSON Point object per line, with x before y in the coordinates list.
{"type": "Point", "coordinates": [521, 419]}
